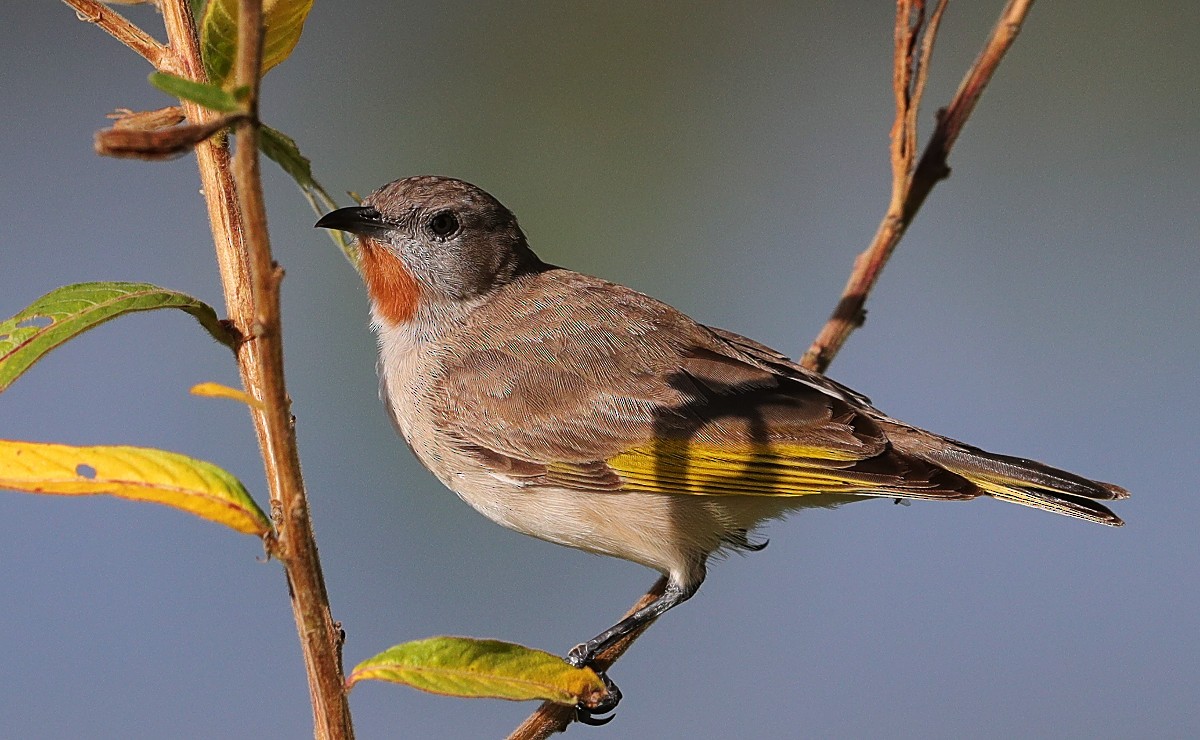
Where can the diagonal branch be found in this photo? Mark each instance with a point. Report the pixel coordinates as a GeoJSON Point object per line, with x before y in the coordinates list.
{"type": "Point", "coordinates": [122, 29]}
{"type": "Point", "coordinates": [551, 718]}
{"type": "Point", "coordinates": [931, 169]}
{"type": "Point", "coordinates": [910, 186]}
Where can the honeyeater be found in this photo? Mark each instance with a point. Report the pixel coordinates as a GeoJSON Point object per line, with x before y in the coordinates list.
{"type": "Point", "coordinates": [585, 413]}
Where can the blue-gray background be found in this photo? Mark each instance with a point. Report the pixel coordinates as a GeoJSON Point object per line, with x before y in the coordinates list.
{"type": "Point", "coordinates": [728, 160]}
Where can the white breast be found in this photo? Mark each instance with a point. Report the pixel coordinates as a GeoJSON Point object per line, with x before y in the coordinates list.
{"type": "Point", "coordinates": [400, 348]}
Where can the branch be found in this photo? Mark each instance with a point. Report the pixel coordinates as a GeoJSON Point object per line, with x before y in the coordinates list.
{"type": "Point", "coordinates": [251, 284]}
{"type": "Point", "coordinates": [250, 279]}
{"type": "Point", "coordinates": [909, 189]}
{"type": "Point", "coordinates": [320, 636]}
{"type": "Point", "coordinates": [932, 168]}
{"type": "Point", "coordinates": [121, 29]}
{"type": "Point", "coordinates": [550, 718]}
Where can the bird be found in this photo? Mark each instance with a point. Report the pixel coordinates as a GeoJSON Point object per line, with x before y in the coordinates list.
{"type": "Point", "coordinates": [585, 413]}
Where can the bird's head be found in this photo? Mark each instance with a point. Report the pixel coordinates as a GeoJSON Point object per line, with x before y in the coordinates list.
{"type": "Point", "coordinates": [429, 240]}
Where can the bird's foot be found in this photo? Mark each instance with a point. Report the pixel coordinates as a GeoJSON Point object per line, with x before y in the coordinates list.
{"type": "Point", "coordinates": [590, 715]}
{"type": "Point", "coordinates": [580, 656]}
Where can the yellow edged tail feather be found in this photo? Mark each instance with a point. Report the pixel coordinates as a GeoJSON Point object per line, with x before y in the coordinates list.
{"type": "Point", "coordinates": [930, 468]}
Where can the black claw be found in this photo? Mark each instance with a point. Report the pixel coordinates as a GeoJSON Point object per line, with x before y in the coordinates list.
{"type": "Point", "coordinates": [584, 717]}
{"type": "Point", "coordinates": [588, 715]}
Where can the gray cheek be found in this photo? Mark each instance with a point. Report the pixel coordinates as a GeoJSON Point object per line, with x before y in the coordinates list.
{"type": "Point", "coordinates": [441, 266]}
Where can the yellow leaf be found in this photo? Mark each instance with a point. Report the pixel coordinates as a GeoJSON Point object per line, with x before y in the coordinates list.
{"type": "Point", "coordinates": [216, 390]}
{"type": "Point", "coordinates": [283, 22]}
{"type": "Point", "coordinates": [468, 667]}
{"type": "Point", "coordinates": [137, 473]}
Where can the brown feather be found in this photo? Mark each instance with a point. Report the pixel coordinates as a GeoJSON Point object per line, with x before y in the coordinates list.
{"type": "Point", "coordinates": [589, 371]}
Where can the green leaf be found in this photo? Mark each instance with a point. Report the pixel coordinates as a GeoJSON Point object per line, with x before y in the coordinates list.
{"type": "Point", "coordinates": [73, 309]}
{"type": "Point", "coordinates": [467, 667]}
{"type": "Point", "coordinates": [210, 96]}
{"type": "Point", "coordinates": [282, 149]}
{"type": "Point", "coordinates": [136, 473]}
{"type": "Point", "coordinates": [283, 21]}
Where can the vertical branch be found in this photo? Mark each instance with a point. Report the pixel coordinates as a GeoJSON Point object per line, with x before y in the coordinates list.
{"type": "Point", "coordinates": [320, 637]}
{"type": "Point", "coordinates": [922, 71]}
{"type": "Point", "coordinates": [904, 131]}
{"type": "Point", "coordinates": [251, 284]}
{"type": "Point", "coordinates": [216, 180]}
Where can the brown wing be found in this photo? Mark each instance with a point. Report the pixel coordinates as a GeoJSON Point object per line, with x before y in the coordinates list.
{"type": "Point", "coordinates": [595, 386]}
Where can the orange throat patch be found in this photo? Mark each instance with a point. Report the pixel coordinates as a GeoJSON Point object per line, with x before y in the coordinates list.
{"type": "Point", "coordinates": [392, 288]}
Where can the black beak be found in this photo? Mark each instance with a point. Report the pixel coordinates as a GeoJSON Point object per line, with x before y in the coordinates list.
{"type": "Point", "coordinates": [363, 220]}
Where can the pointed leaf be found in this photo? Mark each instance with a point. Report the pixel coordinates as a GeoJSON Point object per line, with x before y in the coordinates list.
{"type": "Point", "coordinates": [210, 96]}
{"type": "Point", "coordinates": [216, 390]}
{"type": "Point", "coordinates": [467, 667]}
{"type": "Point", "coordinates": [136, 473]}
{"type": "Point", "coordinates": [73, 309]}
{"type": "Point", "coordinates": [282, 149]}
{"type": "Point", "coordinates": [283, 21]}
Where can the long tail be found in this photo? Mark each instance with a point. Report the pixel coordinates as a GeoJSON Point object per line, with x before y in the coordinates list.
{"type": "Point", "coordinates": [1014, 479]}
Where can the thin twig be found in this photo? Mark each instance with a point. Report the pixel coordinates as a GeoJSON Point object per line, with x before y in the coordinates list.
{"type": "Point", "coordinates": [932, 168]}
{"type": "Point", "coordinates": [551, 718]}
{"type": "Point", "coordinates": [320, 637]}
{"type": "Point", "coordinates": [122, 29]}
{"type": "Point", "coordinates": [922, 68]}
{"type": "Point", "coordinates": [916, 183]}
{"type": "Point", "coordinates": [904, 131]}
{"type": "Point", "coordinates": [216, 180]}
{"type": "Point", "coordinates": [247, 176]}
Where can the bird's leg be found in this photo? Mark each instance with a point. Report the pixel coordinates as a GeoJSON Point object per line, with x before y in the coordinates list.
{"type": "Point", "coordinates": [584, 653]}
{"type": "Point", "coordinates": [673, 595]}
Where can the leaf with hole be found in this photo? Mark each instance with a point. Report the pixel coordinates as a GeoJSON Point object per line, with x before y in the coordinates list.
{"type": "Point", "coordinates": [283, 22]}
{"type": "Point", "coordinates": [473, 668]}
{"type": "Point", "coordinates": [68, 311]}
{"type": "Point", "coordinates": [136, 473]}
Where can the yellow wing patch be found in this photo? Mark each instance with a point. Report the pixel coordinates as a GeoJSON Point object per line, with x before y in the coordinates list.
{"type": "Point", "coordinates": [755, 470]}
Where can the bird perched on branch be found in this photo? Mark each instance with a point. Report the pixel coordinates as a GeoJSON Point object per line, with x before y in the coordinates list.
{"type": "Point", "coordinates": [585, 413]}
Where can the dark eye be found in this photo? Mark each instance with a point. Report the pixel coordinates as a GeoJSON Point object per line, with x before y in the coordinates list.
{"type": "Point", "coordinates": [444, 223]}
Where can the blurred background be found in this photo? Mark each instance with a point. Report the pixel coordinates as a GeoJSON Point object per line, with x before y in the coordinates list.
{"type": "Point", "coordinates": [731, 160]}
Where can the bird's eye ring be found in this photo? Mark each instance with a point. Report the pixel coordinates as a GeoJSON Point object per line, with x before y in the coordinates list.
{"type": "Point", "coordinates": [443, 224]}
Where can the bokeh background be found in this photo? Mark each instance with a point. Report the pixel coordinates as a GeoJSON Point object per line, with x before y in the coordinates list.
{"type": "Point", "coordinates": [731, 160]}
